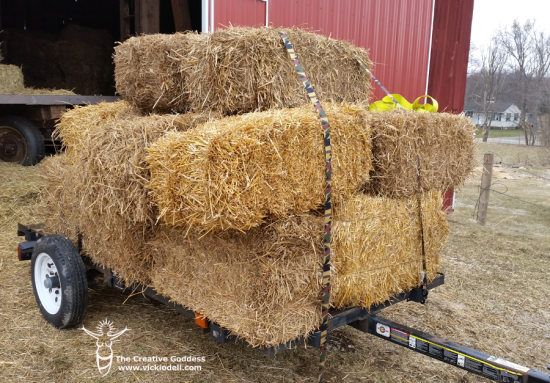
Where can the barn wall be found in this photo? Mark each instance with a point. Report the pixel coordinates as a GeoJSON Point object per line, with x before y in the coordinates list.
{"type": "Point", "coordinates": [397, 32]}
{"type": "Point", "coordinates": [239, 12]}
{"type": "Point", "coordinates": [450, 51]}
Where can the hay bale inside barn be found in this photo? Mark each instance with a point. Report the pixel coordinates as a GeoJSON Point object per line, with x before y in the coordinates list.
{"type": "Point", "coordinates": [76, 59]}
{"type": "Point", "coordinates": [11, 78]}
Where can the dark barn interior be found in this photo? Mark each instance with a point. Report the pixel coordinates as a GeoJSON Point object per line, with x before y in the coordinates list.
{"type": "Point", "coordinates": [68, 44]}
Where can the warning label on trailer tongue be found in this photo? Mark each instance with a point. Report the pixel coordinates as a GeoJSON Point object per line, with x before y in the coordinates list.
{"type": "Point", "coordinates": [495, 371]}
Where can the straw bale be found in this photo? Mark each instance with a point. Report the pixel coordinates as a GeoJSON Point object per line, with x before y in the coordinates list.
{"type": "Point", "coordinates": [236, 70]}
{"type": "Point", "coordinates": [235, 172]}
{"type": "Point", "coordinates": [444, 142]}
{"type": "Point", "coordinates": [262, 285]}
{"type": "Point", "coordinates": [106, 142]}
{"type": "Point", "coordinates": [11, 77]}
{"type": "Point", "coordinates": [98, 185]}
{"type": "Point", "coordinates": [377, 246]}
{"type": "Point", "coordinates": [110, 241]}
{"type": "Point", "coordinates": [265, 285]}
{"type": "Point", "coordinates": [58, 197]}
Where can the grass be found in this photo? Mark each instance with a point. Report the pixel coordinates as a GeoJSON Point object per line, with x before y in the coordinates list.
{"type": "Point", "coordinates": [496, 133]}
{"type": "Point", "coordinates": [532, 157]}
{"type": "Point", "coordinates": [494, 300]}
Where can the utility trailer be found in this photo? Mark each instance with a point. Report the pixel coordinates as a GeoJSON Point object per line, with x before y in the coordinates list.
{"type": "Point", "coordinates": [58, 271]}
{"type": "Point", "coordinates": [27, 124]}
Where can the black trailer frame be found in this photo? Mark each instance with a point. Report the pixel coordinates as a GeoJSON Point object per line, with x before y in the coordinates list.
{"type": "Point", "coordinates": [364, 320]}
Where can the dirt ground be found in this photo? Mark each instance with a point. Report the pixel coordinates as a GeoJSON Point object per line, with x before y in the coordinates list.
{"type": "Point", "coordinates": [495, 300]}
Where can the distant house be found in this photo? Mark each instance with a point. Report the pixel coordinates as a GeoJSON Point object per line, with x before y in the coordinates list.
{"type": "Point", "coordinates": [505, 114]}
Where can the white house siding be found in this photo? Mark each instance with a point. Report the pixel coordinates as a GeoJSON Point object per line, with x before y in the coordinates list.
{"type": "Point", "coordinates": [500, 122]}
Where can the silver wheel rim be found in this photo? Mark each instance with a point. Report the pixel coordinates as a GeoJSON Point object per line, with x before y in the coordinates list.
{"type": "Point", "coordinates": [45, 268]}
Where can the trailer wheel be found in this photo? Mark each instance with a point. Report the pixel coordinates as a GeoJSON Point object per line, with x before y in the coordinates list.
{"type": "Point", "coordinates": [59, 281]}
{"type": "Point", "coordinates": [20, 141]}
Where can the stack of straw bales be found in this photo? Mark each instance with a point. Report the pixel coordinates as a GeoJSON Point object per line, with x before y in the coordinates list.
{"type": "Point", "coordinates": [264, 285]}
{"type": "Point", "coordinates": [235, 172]}
{"type": "Point", "coordinates": [223, 215]}
{"type": "Point", "coordinates": [236, 70]}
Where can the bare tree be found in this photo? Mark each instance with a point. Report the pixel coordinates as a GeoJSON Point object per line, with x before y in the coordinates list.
{"type": "Point", "coordinates": [528, 52]}
{"type": "Point", "coordinates": [515, 67]}
{"type": "Point", "coordinates": [541, 47]}
{"type": "Point", "coordinates": [542, 63]}
{"type": "Point", "coordinates": [491, 74]}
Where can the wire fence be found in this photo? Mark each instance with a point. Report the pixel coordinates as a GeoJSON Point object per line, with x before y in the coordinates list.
{"type": "Point", "coordinates": [505, 192]}
{"type": "Point", "coordinates": [518, 140]}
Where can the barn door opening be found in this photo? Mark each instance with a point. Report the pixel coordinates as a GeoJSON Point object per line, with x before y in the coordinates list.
{"type": "Point", "coordinates": [159, 16]}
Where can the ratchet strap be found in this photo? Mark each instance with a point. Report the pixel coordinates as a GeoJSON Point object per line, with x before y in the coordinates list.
{"type": "Point", "coordinates": [424, 279]}
{"type": "Point", "coordinates": [325, 299]}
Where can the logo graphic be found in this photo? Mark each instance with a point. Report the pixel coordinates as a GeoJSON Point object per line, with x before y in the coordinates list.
{"type": "Point", "coordinates": [383, 330]}
{"type": "Point", "coordinates": [104, 341]}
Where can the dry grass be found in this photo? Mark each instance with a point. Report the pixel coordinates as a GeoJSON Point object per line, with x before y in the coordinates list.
{"type": "Point", "coordinates": [236, 70]}
{"type": "Point", "coordinates": [535, 157]}
{"type": "Point", "coordinates": [444, 143]}
{"type": "Point", "coordinates": [11, 82]}
{"type": "Point", "coordinates": [495, 299]}
{"type": "Point", "coordinates": [238, 171]}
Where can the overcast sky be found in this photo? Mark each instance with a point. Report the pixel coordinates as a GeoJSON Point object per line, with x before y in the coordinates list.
{"type": "Point", "coordinates": [489, 15]}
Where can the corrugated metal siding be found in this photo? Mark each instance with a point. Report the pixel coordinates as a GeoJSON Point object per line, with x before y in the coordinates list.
{"type": "Point", "coordinates": [450, 50]}
{"type": "Point", "coordinates": [397, 32]}
{"type": "Point", "coordinates": [239, 12]}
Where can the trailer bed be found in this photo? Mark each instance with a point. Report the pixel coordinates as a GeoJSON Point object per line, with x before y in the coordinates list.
{"type": "Point", "coordinates": [364, 320]}
{"type": "Point", "coordinates": [22, 99]}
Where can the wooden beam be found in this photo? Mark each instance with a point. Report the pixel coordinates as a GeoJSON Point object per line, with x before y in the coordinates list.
{"type": "Point", "coordinates": [45, 112]}
{"type": "Point", "coordinates": [486, 177]}
{"type": "Point", "coordinates": [182, 17]}
{"type": "Point", "coordinates": [124, 20]}
{"type": "Point", "coordinates": [147, 16]}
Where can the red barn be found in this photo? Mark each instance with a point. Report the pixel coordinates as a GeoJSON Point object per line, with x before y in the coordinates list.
{"type": "Point", "coordinates": [418, 46]}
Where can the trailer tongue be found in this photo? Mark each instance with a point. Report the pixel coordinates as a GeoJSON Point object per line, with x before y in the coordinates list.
{"type": "Point", "coordinates": [490, 367]}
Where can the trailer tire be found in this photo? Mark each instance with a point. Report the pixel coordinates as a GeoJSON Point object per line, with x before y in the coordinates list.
{"type": "Point", "coordinates": [59, 281]}
{"type": "Point", "coordinates": [20, 141]}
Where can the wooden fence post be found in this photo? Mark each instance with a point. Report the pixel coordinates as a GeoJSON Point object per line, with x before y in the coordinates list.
{"type": "Point", "coordinates": [486, 177]}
